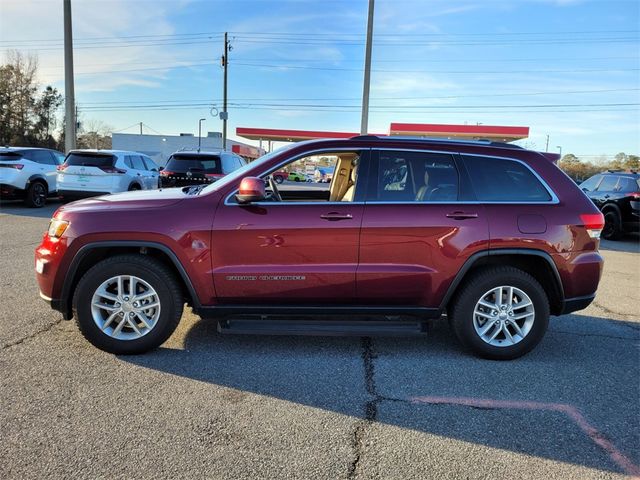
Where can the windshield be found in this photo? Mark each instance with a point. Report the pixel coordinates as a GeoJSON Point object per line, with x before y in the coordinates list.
{"type": "Point", "coordinates": [238, 174]}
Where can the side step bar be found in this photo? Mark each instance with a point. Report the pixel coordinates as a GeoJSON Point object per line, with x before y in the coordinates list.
{"type": "Point", "coordinates": [360, 328]}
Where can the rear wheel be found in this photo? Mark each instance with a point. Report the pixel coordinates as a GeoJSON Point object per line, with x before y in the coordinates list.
{"type": "Point", "coordinates": [36, 196]}
{"type": "Point", "coordinates": [612, 226]}
{"type": "Point", "coordinates": [128, 304]}
{"type": "Point", "coordinates": [500, 313]}
{"type": "Point", "coordinates": [133, 187]}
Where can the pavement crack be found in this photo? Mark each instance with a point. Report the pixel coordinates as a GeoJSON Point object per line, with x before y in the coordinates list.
{"type": "Point", "coordinates": [608, 311]}
{"type": "Point", "coordinates": [370, 407]}
{"type": "Point", "coordinates": [33, 335]}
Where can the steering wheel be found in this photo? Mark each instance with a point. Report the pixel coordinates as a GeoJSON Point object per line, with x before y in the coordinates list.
{"type": "Point", "coordinates": [275, 194]}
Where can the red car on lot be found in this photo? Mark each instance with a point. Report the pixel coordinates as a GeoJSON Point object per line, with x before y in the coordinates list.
{"type": "Point", "coordinates": [491, 235]}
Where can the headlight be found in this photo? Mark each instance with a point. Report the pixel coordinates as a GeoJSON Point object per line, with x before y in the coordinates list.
{"type": "Point", "coordinates": [57, 227]}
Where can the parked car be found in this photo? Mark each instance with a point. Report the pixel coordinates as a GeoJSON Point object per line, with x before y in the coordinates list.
{"type": "Point", "coordinates": [297, 177]}
{"type": "Point", "coordinates": [193, 168]}
{"type": "Point", "coordinates": [309, 177]}
{"type": "Point", "coordinates": [617, 195]}
{"type": "Point", "coordinates": [88, 173]}
{"type": "Point", "coordinates": [28, 174]}
{"type": "Point", "coordinates": [491, 235]}
{"type": "Point", "coordinates": [280, 176]}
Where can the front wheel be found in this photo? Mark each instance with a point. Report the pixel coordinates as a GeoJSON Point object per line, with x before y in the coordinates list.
{"type": "Point", "coordinates": [128, 304]}
{"type": "Point", "coordinates": [500, 313]}
{"type": "Point", "coordinates": [278, 179]}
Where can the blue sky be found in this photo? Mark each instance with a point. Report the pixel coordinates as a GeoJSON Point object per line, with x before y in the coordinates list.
{"type": "Point", "coordinates": [560, 67]}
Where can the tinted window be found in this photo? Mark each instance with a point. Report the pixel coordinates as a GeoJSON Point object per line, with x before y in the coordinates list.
{"type": "Point", "coordinates": [416, 177]}
{"type": "Point", "coordinates": [10, 156]}
{"type": "Point", "coordinates": [127, 161]}
{"type": "Point", "coordinates": [194, 163]}
{"type": "Point", "coordinates": [591, 184]}
{"type": "Point", "coordinates": [627, 184]}
{"type": "Point", "coordinates": [39, 156]}
{"type": "Point", "coordinates": [150, 164]}
{"type": "Point", "coordinates": [90, 159]}
{"type": "Point", "coordinates": [608, 183]}
{"type": "Point", "coordinates": [59, 157]}
{"type": "Point", "coordinates": [503, 180]}
{"type": "Point", "coordinates": [138, 164]}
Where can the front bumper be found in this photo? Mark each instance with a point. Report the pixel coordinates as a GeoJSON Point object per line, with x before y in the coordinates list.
{"type": "Point", "coordinates": [576, 303]}
{"type": "Point", "coordinates": [80, 193]}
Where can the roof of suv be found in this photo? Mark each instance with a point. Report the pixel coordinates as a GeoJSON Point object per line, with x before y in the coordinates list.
{"type": "Point", "coordinates": [106, 152]}
{"type": "Point", "coordinates": [626, 173]}
{"type": "Point", "coordinates": [400, 138]}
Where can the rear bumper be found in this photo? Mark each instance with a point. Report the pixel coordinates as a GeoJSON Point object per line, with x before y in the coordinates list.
{"type": "Point", "coordinates": [8, 191]}
{"type": "Point", "coordinates": [576, 303]}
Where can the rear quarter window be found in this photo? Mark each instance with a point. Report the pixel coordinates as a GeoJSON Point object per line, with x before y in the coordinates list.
{"type": "Point", "coordinates": [628, 184]}
{"type": "Point", "coordinates": [504, 180]}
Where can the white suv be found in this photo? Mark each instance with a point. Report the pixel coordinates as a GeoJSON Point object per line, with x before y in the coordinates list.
{"type": "Point", "coordinates": [28, 173]}
{"type": "Point", "coordinates": [86, 173]}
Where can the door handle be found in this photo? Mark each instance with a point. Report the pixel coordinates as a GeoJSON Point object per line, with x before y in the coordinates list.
{"type": "Point", "coordinates": [461, 215]}
{"type": "Point", "coordinates": [333, 216]}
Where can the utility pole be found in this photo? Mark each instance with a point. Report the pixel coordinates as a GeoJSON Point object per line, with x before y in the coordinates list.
{"type": "Point", "coordinates": [559, 147]}
{"type": "Point", "coordinates": [546, 149]}
{"type": "Point", "coordinates": [224, 115]}
{"type": "Point", "coordinates": [364, 124]}
{"type": "Point", "coordinates": [200, 132]}
{"type": "Point", "coordinates": [69, 95]}
{"type": "Point", "coordinates": [140, 128]}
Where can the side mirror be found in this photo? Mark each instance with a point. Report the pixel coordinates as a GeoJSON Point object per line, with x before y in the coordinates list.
{"type": "Point", "coordinates": [252, 189]}
{"type": "Point", "coordinates": [160, 169]}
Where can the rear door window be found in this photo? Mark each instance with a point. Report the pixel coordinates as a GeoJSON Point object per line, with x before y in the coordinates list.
{"type": "Point", "coordinates": [591, 184]}
{"type": "Point", "coordinates": [195, 163]}
{"type": "Point", "coordinates": [39, 156]}
{"type": "Point", "coordinates": [608, 183]}
{"type": "Point", "coordinates": [138, 164]}
{"type": "Point", "coordinates": [90, 160]}
{"type": "Point", "coordinates": [504, 180]}
{"type": "Point", "coordinates": [415, 177]}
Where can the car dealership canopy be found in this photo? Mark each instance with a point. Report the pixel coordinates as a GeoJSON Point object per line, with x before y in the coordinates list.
{"type": "Point", "coordinates": [470, 132]}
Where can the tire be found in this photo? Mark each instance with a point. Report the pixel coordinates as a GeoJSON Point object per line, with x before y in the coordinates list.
{"type": "Point", "coordinates": [278, 179]}
{"type": "Point", "coordinates": [612, 225]}
{"type": "Point", "coordinates": [134, 187]}
{"type": "Point", "coordinates": [464, 320]}
{"type": "Point", "coordinates": [163, 319]}
{"type": "Point", "coordinates": [36, 195]}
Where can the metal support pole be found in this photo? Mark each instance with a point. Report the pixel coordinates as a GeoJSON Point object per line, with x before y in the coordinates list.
{"type": "Point", "coordinates": [200, 132]}
{"type": "Point", "coordinates": [69, 95]}
{"type": "Point", "coordinates": [225, 115]}
{"type": "Point", "coordinates": [364, 124]}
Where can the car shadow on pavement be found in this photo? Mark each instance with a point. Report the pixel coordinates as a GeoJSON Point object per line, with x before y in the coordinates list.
{"type": "Point", "coordinates": [19, 209]}
{"type": "Point", "coordinates": [573, 399]}
{"type": "Point", "coordinates": [629, 243]}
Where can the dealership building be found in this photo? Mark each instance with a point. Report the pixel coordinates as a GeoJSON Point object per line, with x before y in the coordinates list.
{"type": "Point", "coordinates": [160, 147]}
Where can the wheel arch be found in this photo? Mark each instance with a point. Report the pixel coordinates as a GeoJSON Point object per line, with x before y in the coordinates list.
{"type": "Point", "coordinates": [88, 255]}
{"type": "Point", "coordinates": [37, 177]}
{"type": "Point", "coordinates": [527, 260]}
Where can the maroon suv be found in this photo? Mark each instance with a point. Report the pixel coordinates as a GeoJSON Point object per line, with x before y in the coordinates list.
{"type": "Point", "coordinates": [493, 236]}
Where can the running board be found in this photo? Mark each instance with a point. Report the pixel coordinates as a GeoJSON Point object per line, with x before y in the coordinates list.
{"type": "Point", "coordinates": [359, 328]}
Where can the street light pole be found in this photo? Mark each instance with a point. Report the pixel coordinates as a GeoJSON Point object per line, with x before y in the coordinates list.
{"type": "Point", "coordinates": [364, 124]}
{"type": "Point", "coordinates": [69, 96]}
{"type": "Point", "coordinates": [224, 115]}
{"type": "Point", "coordinates": [200, 132]}
{"type": "Point", "coordinates": [559, 147]}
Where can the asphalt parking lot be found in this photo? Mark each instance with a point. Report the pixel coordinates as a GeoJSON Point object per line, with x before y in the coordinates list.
{"type": "Point", "coordinates": [217, 406]}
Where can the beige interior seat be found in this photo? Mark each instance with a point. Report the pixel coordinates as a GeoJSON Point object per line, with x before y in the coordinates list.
{"type": "Point", "coordinates": [422, 191]}
{"type": "Point", "coordinates": [342, 177]}
{"type": "Point", "coordinates": [349, 194]}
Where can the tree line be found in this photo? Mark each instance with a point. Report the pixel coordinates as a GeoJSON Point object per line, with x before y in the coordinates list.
{"type": "Point", "coordinates": [29, 113]}
{"type": "Point", "coordinates": [580, 169]}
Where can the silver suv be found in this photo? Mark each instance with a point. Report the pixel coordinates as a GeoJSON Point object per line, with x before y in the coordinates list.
{"type": "Point", "coordinates": [87, 173]}
{"type": "Point", "coordinates": [29, 174]}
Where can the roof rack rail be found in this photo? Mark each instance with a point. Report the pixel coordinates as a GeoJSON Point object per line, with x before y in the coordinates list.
{"type": "Point", "coordinates": [482, 141]}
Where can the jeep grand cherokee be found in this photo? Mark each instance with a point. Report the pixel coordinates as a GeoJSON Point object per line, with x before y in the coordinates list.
{"type": "Point", "coordinates": [491, 235]}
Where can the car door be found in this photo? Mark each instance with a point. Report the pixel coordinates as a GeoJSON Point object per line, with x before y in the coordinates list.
{"type": "Point", "coordinates": [45, 165]}
{"type": "Point", "coordinates": [289, 252]}
{"type": "Point", "coordinates": [152, 172]}
{"type": "Point", "coordinates": [420, 224]}
{"type": "Point", "coordinates": [606, 191]}
{"type": "Point", "coordinates": [142, 175]}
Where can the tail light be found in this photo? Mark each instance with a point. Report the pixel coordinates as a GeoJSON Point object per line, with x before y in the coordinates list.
{"type": "Point", "coordinates": [593, 222]}
{"type": "Point", "coordinates": [166, 173]}
{"type": "Point", "coordinates": [17, 166]}
{"type": "Point", "coordinates": [61, 168]}
{"type": "Point", "coordinates": [635, 195]}
{"type": "Point", "coordinates": [112, 170]}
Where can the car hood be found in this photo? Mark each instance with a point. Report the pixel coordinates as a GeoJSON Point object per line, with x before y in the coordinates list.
{"type": "Point", "coordinates": [139, 199]}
